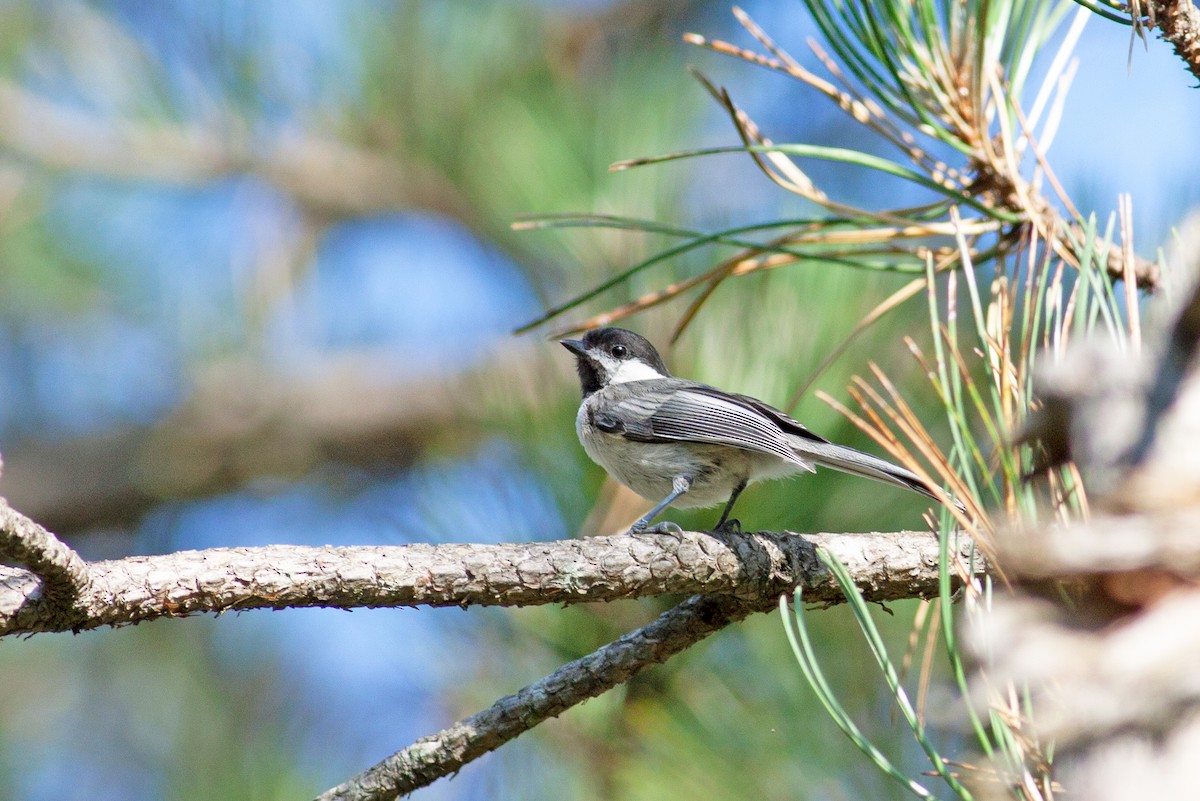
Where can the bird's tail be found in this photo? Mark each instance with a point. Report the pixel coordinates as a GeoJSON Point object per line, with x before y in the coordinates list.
{"type": "Point", "coordinates": [848, 460]}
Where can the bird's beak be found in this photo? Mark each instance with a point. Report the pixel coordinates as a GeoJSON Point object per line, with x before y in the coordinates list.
{"type": "Point", "coordinates": [573, 345]}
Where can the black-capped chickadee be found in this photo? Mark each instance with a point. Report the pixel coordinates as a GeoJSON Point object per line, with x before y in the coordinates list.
{"type": "Point", "coordinates": [688, 444]}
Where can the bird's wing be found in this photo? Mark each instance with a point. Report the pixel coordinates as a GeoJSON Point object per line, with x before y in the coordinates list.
{"type": "Point", "coordinates": [818, 450]}
{"type": "Point", "coordinates": [675, 410]}
{"type": "Point", "coordinates": [786, 423]}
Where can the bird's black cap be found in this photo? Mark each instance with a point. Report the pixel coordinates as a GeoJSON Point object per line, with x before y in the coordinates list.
{"type": "Point", "coordinates": [615, 343]}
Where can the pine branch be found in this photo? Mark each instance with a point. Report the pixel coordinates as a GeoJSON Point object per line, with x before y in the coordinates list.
{"type": "Point", "coordinates": [753, 567]}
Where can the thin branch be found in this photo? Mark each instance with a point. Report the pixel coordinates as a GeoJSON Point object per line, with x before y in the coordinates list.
{"type": "Point", "coordinates": [752, 567]}
{"type": "Point", "coordinates": [449, 750]}
{"type": "Point", "coordinates": [62, 574]}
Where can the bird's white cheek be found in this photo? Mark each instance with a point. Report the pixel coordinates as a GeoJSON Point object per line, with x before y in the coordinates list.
{"type": "Point", "coordinates": [633, 370]}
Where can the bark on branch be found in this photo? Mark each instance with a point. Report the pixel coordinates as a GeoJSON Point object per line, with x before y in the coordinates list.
{"type": "Point", "coordinates": [753, 568]}
{"type": "Point", "coordinates": [57, 576]}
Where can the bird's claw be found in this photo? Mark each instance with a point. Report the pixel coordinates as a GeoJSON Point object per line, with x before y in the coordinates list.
{"type": "Point", "coordinates": [731, 526]}
{"type": "Point", "coordinates": [665, 527]}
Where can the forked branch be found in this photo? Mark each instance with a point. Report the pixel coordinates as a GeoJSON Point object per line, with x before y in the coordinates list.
{"type": "Point", "coordinates": [55, 590]}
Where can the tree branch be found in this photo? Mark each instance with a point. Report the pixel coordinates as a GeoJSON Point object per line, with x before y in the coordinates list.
{"type": "Point", "coordinates": [752, 567]}
{"type": "Point", "coordinates": [1178, 21]}
{"type": "Point", "coordinates": [446, 752]}
{"type": "Point", "coordinates": [737, 574]}
{"type": "Point", "coordinates": [58, 577]}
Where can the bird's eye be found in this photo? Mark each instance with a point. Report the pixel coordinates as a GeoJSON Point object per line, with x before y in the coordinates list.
{"type": "Point", "coordinates": [618, 351]}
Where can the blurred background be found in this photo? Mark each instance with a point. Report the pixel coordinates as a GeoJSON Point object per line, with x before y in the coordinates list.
{"type": "Point", "coordinates": [258, 285]}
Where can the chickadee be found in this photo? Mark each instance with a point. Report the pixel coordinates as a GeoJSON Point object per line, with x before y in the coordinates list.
{"type": "Point", "coordinates": [688, 444]}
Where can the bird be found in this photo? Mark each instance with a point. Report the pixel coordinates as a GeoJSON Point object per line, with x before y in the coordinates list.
{"type": "Point", "coordinates": [689, 445]}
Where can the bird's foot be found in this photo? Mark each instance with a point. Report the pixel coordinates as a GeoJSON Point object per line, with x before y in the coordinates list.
{"type": "Point", "coordinates": [665, 527]}
{"type": "Point", "coordinates": [730, 526]}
